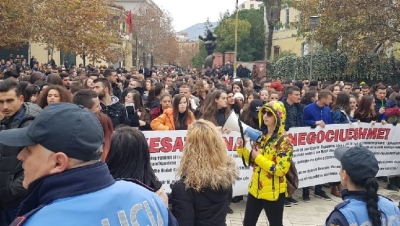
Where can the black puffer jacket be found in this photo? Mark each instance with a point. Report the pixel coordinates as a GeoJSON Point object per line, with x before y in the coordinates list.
{"type": "Point", "coordinates": [11, 172]}
{"type": "Point", "coordinates": [206, 208]}
{"type": "Point", "coordinates": [119, 114]}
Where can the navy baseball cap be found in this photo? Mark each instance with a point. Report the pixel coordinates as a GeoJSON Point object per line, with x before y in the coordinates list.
{"type": "Point", "coordinates": [255, 107]}
{"type": "Point", "coordinates": [61, 127]}
{"type": "Point", "coordinates": [359, 162]}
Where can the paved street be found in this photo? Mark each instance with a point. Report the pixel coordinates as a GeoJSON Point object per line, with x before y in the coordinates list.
{"type": "Point", "coordinates": [310, 214]}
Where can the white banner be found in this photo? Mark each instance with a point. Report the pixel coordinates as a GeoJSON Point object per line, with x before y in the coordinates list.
{"type": "Point", "coordinates": [313, 152]}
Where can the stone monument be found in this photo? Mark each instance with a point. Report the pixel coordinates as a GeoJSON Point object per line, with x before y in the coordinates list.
{"type": "Point", "coordinates": [210, 42]}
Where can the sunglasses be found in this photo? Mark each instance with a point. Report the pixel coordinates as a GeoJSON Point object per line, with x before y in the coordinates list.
{"type": "Point", "coordinates": [269, 113]}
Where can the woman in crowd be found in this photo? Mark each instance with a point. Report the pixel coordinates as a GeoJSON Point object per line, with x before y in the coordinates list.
{"type": "Point", "coordinates": [335, 89]}
{"type": "Point", "coordinates": [134, 97]}
{"type": "Point", "coordinates": [353, 105]}
{"type": "Point", "coordinates": [88, 83]}
{"type": "Point", "coordinates": [53, 94]}
{"type": "Point", "coordinates": [218, 110]}
{"type": "Point", "coordinates": [153, 101]}
{"type": "Point", "coordinates": [200, 90]}
{"type": "Point", "coordinates": [238, 104]}
{"type": "Point", "coordinates": [206, 173]}
{"type": "Point", "coordinates": [165, 100]}
{"type": "Point", "coordinates": [129, 158]}
{"type": "Point", "coordinates": [250, 97]}
{"type": "Point", "coordinates": [237, 87]}
{"type": "Point", "coordinates": [230, 98]}
{"type": "Point", "coordinates": [362, 205]}
{"type": "Point", "coordinates": [179, 117]}
{"type": "Point", "coordinates": [271, 161]}
{"type": "Point", "coordinates": [108, 130]}
{"type": "Point", "coordinates": [309, 97]}
{"type": "Point", "coordinates": [264, 95]}
{"type": "Point", "coordinates": [31, 93]}
{"type": "Point", "coordinates": [366, 111]}
{"type": "Point", "coordinates": [340, 111]}
{"type": "Point", "coordinates": [273, 96]}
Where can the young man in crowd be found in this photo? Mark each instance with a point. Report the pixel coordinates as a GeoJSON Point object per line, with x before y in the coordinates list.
{"type": "Point", "coordinates": [294, 112]}
{"type": "Point", "coordinates": [16, 114]}
{"type": "Point", "coordinates": [64, 176]}
{"type": "Point", "coordinates": [88, 99]}
{"type": "Point", "coordinates": [111, 76]}
{"type": "Point", "coordinates": [318, 114]}
{"type": "Point", "coordinates": [110, 105]}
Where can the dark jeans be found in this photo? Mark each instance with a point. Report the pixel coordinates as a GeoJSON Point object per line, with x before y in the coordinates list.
{"type": "Point", "coordinates": [273, 210]}
{"type": "Point", "coordinates": [318, 188]}
{"type": "Point", "coordinates": [7, 216]}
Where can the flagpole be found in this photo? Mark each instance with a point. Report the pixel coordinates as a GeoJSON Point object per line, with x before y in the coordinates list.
{"type": "Point", "coordinates": [236, 38]}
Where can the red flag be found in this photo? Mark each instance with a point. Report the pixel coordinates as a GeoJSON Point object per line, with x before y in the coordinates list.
{"type": "Point", "coordinates": [129, 21]}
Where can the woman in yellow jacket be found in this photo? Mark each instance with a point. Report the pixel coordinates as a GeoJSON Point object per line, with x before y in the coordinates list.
{"type": "Point", "coordinates": [271, 161]}
{"type": "Point", "coordinates": [179, 117]}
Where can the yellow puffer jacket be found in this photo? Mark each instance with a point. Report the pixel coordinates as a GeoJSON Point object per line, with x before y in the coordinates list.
{"type": "Point", "coordinates": [272, 164]}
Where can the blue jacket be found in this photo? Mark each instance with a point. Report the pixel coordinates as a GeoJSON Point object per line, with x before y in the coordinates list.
{"type": "Point", "coordinates": [90, 196]}
{"type": "Point", "coordinates": [313, 113]}
{"type": "Point", "coordinates": [353, 210]}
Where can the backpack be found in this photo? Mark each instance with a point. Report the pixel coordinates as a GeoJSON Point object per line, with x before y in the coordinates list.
{"type": "Point", "coordinates": [292, 177]}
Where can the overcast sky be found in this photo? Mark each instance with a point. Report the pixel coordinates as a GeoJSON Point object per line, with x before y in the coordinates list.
{"type": "Point", "coordinates": [189, 12]}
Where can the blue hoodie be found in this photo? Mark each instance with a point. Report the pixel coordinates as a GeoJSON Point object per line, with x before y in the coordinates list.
{"type": "Point", "coordinates": [313, 113]}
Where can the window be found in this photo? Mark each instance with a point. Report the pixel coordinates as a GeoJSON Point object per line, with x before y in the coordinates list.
{"type": "Point", "coordinates": [243, 6]}
{"type": "Point", "coordinates": [287, 16]}
{"type": "Point", "coordinates": [251, 6]}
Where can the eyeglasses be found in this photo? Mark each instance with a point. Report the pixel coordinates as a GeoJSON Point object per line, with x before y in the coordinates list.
{"type": "Point", "coordinates": [269, 113]}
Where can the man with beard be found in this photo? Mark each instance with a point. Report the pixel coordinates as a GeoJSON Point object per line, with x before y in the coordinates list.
{"type": "Point", "coordinates": [110, 105]}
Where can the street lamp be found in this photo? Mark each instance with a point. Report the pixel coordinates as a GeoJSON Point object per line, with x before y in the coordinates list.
{"type": "Point", "coordinates": [137, 43]}
{"type": "Point", "coordinates": [313, 23]}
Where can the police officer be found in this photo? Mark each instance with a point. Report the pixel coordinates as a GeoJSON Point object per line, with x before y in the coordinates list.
{"type": "Point", "coordinates": [361, 203]}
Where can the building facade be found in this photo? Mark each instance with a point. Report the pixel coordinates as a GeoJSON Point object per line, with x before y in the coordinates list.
{"type": "Point", "coordinates": [251, 4]}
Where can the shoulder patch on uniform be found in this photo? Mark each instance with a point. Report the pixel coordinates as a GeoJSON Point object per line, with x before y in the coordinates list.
{"type": "Point", "coordinates": [341, 205]}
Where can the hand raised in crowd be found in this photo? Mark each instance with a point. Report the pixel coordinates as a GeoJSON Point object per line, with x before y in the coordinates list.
{"type": "Point", "coordinates": [227, 131]}
{"type": "Point", "coordinates": [381, 110]}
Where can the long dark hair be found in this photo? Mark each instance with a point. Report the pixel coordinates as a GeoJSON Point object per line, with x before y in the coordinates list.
{"type": "Point", "coordinates": [129, 156]}
{"type": "Point", "coordinates": [154, 93]}
{"type": "Point", "coordinates": [371, 186]}
{"type": "Point", "coordinates": [175, 107]}
{"type": "Point", "coordinates": [31, 90]}
{"type": "Point", "coordinates": [364, 108]}
{"type": "Point", "coordinates": [210, 112]}
{"type": "Point", "coordinates": [306, 99]}
{"type": "Point", "coordinates": [342, 102]}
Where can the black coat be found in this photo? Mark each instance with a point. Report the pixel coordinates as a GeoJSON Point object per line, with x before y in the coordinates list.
{"type": "Point", "coordinates": [11, 172]}
{"type": "Point", "coordinates": [205, 208]}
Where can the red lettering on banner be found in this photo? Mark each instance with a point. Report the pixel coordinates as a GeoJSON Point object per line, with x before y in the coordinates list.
{"type": "Point", "coordinates": [363, 133]}
{"type": "Point", "coordinates": [372, 133]}
{"type": "Point", "coordinates": [293, 137]}
{"type": "Point", "coordinates": [343, 135]}
{"type": "Point", "coordinates": [310, 138]}
{"type": "Point", "coordinates": [178, 144]}
{"type": "Point", "coordinates": [387, 134]}
{"type": "Point", "coordinates": [329, 136]}
{"type": "Point", "coordinates": [229, 143]}
{"type": "Point", "coordinates": [302, 139]}
{"type": "Point", "coordinates": [153, 145]}
{"type": "Point", "coordinates": [166, 145]}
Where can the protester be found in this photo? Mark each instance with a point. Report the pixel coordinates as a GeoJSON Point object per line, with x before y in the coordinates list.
{"type": "Point", "coordinates": [179, 117]}
{"type": "Point", "coordinates": [271, 161]}
{"type": "Point", "coordinates": [361, 203]}
{"type": "Point", "coordinates": [88, 99]}
{"type": "Point", "coordinates": [17, 114]}
{"type": "Point", "coordinates": [206, 173]}
{"type": "Point", "coordinates": [129, 157]}
{"type": "Point", "coordinates": [53, 94]}
{"type": "Point", "coordinates": [64, 177]}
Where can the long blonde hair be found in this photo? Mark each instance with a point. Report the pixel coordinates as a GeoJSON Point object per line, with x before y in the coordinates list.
{"type": "Point", "coordinates": [205, 163]}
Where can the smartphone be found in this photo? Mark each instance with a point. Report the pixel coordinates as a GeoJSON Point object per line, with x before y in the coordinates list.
{"type": "Point", "coordinates": [130, 108]}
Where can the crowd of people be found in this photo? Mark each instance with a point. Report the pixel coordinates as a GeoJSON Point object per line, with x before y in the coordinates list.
{"type": "Point", "coordinates": [85, 123]}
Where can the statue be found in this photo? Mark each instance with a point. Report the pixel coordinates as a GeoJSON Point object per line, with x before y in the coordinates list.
{"type": "Point", "coordinates": [210, 42]}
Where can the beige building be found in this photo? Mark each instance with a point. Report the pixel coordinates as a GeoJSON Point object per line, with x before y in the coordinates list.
{"type": "Point", "coordinates": [251, 4]}
{"type": "Point", "coordinates": [187, 50]}
{"type": "Point", "coordinates": [283, 39]}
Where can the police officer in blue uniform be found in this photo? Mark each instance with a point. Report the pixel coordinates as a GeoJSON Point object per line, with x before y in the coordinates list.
{"type": "Point", "coordinates": [361, 203]}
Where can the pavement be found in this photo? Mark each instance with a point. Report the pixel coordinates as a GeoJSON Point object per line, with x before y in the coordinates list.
{"type": "Point", "coordinates": [303, 214]}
